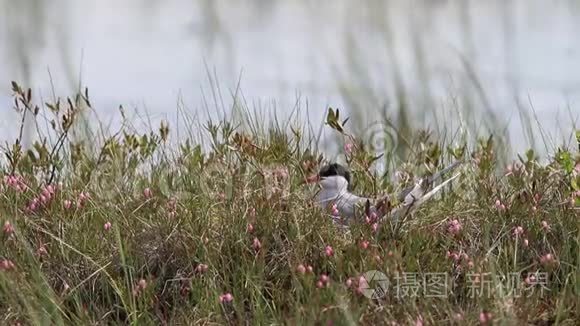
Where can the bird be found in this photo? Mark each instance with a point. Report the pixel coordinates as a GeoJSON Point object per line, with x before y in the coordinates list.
{"type": "Point", "coordinates": [334, 180]}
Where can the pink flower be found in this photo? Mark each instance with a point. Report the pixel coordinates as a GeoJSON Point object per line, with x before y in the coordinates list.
{"type": "Point", "coordinates": [348, 147]}
{"type": "Point", "coordinates": [518, 231]}
{"type": "Point", "coordinates": [470, 264]}
{"type": "Point", "coordinates": [83, 197]}
{"type": "Point", "coordinates": [530, 280]}
{"type": "Point", "coordinates": [309, 269]}
{"type": "Point", "coordinates": [172, 204]}
{"type": "Point", "coordinates": [349, 282]}
{"type": "Point", "coordinates": [8, 228]}
{"type": "Point", "coordinates": [526, 243]}
{"type": "Point", "coordinates": [67, 204]}
{"type": "Point", "coordinates": [453, 255]}
{"type": "Point", "coordinates": [328, 251]}
{"type": "Point", "coordinates": [454, 227]}
{"type": "Point", "coordinates": [363, 284]}
{"type": "Point", "coordinates": [334, 210]}
{"type": "Point", "coordinates": [250, 228]}
{"type": "Point", "coordinates": [142, 284]}
{"type": "Point", "coordinates": [545, 226]}
{"type": "Point", "coordinates": [201, 268]}
{"type": "Point", "coordinates": [458, 316]}
{"type": "Point", "coordinates": [15, 182]}
{"type": "Point", "coordinates": [41, 251]}
{"type": "Point", "coordinates": [6, 265]}
{"type": "Point", "coordinates": [485, 317]}
{"type": "Point", "coordinates": [547, 259]}
{"type": "Point", "coordinates": [226, 298]}
{"type": "Point", "coordinates": [509, 169]}
{"type": "Point", "coordinates": [364, 244]}
{"type": "Point", "coordinates": [499, 205]}
{"type": "Point", "coordinates": [256, 244]}
{"type": "Point", "coordinates": [301, 269]}
{"type": "Point", "coordinates": [147, 193]}
{"type": "Point", "coordinates": [107, 226]}
{"type": "Point", "coordinates": [375, 227]}
{"type": "Point", "coordinates": [419, 321]}
{"type": "Point", "coordinates": [323, 281]}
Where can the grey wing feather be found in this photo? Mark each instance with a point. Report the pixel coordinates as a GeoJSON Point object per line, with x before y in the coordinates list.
{"type": "Point", "coordinates": [403, 194]}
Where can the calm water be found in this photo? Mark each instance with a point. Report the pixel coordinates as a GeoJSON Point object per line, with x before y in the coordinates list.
{"type": "Point", "coordinates": [155, 55]}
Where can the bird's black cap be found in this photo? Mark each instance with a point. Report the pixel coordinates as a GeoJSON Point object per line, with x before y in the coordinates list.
{"type": "Point", "coordinates": [334, 169]}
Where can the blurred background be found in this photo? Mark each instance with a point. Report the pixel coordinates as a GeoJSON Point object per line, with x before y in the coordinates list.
{"type": "Point", "coordinates": [508, 67]}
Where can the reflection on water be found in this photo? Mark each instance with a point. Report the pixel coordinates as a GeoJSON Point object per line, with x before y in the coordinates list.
{"type": "Point", "coordinates": [431, 58]}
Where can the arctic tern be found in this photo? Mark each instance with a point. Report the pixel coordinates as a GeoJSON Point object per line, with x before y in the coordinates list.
{"type": "Point", "coordinates": [334, 180]}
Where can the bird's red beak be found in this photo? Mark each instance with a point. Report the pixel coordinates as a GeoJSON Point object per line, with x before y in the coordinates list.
{"type": "Point", "coordinates": [313, 179]}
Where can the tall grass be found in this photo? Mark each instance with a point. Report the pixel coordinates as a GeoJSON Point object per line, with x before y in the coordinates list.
{"type": "Point", "coordinates": [127, 228]}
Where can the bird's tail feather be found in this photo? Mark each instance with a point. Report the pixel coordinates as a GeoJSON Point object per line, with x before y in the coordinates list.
{"type": "Point", "coordinates": [415, 198]}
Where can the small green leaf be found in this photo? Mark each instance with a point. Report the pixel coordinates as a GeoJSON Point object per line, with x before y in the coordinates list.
{"type": "Point", "coordinates": [530, 154]}
{"type": "Point", "coordinates": [576, 184]}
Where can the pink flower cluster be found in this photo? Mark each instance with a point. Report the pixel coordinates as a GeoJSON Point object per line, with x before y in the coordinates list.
{"type": "Point", "coordinates": [499, 205]}
{"type": "Point", "coordinates": [201, 268]}
{"type": "Point", "coordinates": [256, 244]}
{"type": "Point", "coordinates": [371, 218]}
{"type": "Point", "coordinates": [358, 284]}
{"type": "Point", "coordinates": [485, 318]}
{"type": "Point", "coordinates": [171, 207]}
{"type": "Point", "coordinates": [83, 198]}
{"type": "Point", "coordinates": [458, 257]}
{"type": "Point", "coordinates": [47, 194]}
{"type": "Point", "coordinates": [328, 251]}
{"type": "Point", "coordinates": [454, 227]}
{"type": "Point", "coordinates": [530, 280]}
{"type": "Point", "coordinates": [8, 228]}
{"type": "Point", "coordinates": [140, 287]}
{"type": "Point", "coordinates": [226, 298]}
{"type": "Point", "coordinates": [301, 269]}
{"type": "Point", "coordinates": [147, 193]}
{"type": "Point", "coordinates": [518, 231]}
{"type": "Point", "coordinates": [513, 169]}
{"type": "Point", "coordinates": [364, 244]}
{"type": "Point", "coordinates": [335, 212]}
{"type": "Point", "coordinates": [545, 226]}
{"type": "Point", "coordinates": [547, 259]}
{"type": "Point", "coordinates": [348, 148]}
{"type": "Point", "coordinates": [15, 182]}
{"type": "Point", "coordinates": [6, 265]}
{"type": "Point", "coordinates": [323, 281]}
